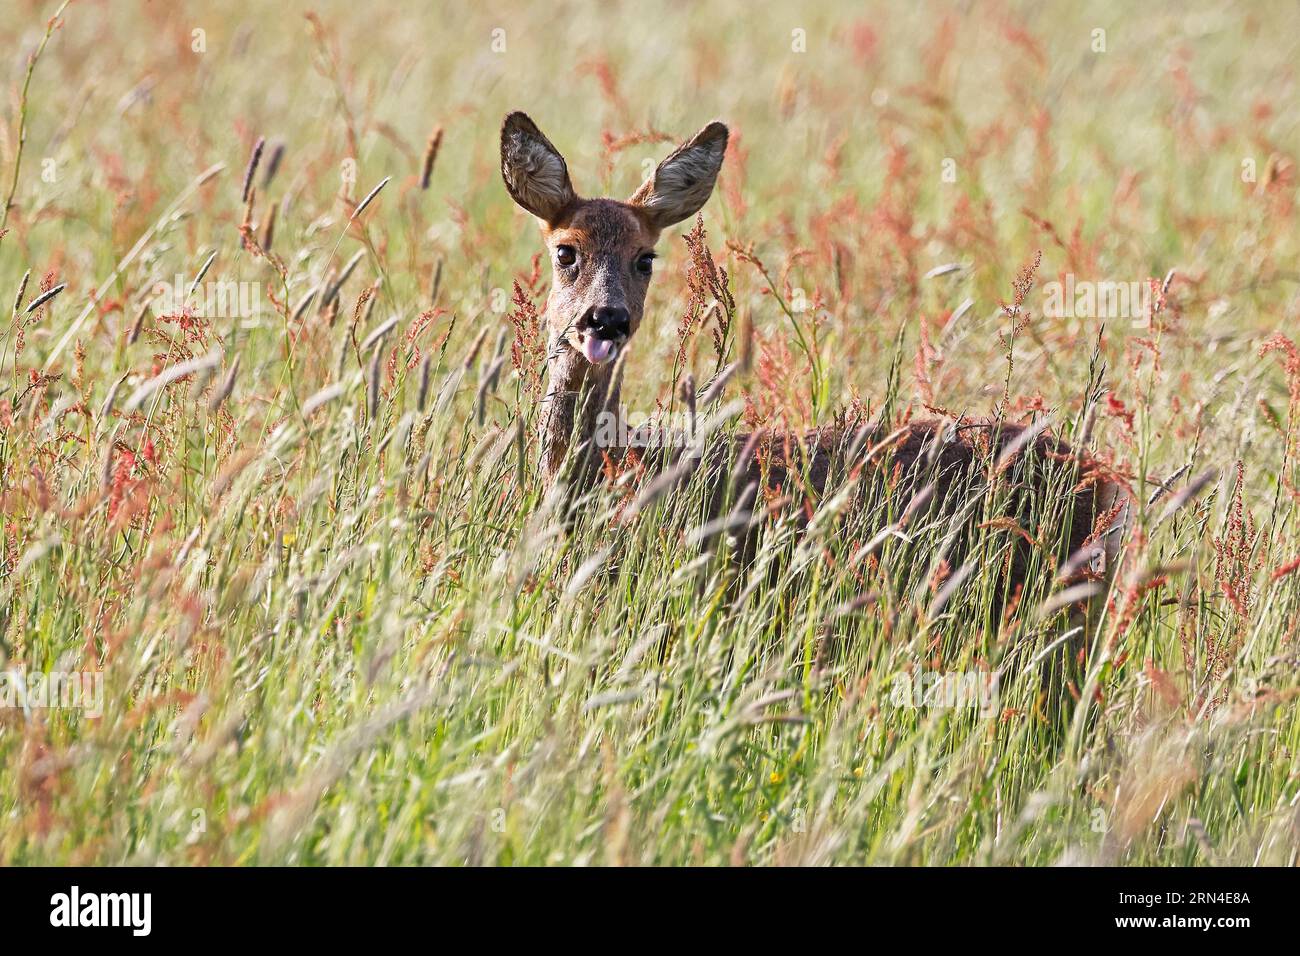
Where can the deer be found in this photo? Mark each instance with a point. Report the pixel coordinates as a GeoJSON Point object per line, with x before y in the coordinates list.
{"type": "Point", "coordinates": [602, 254]}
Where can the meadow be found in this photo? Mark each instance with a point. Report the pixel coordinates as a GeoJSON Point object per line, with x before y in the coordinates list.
{"type": "Point", "coordinates": [269, 482]}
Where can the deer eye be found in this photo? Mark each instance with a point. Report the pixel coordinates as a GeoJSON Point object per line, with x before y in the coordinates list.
{"type": "Point", "coordinates": [566, 256]}
{"type": "Point", "coordinates": [645, 263]}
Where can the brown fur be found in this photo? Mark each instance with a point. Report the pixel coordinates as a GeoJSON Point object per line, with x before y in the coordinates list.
{"type": "Point", "coordinates": [609, 237]}
{"type": "Point", "coordinates": [956, 459]}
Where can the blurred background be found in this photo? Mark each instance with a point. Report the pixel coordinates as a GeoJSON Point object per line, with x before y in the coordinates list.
{"type": "Point", "coordinates": [871, 143]}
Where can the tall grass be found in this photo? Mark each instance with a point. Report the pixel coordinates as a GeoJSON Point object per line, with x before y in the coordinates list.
{"type": "Point", "coordinates": [340, 618]}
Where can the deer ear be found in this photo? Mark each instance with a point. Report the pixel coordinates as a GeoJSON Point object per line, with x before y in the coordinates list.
{"type": "Point", "coordinates": [534, 171]}
{"type": "Point", "coordinates": [682, 182]}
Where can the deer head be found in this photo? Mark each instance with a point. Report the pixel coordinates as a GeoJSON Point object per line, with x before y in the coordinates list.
{"type": "Point", "coordinates": [601, 250]}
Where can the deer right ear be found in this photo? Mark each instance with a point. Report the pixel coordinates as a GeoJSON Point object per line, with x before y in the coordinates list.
{"type": "Point", "coordinates": [683, 181]}
{"type": "Point", "coordinates": [534, 171]}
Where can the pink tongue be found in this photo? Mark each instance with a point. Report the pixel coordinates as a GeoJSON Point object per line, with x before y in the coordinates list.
{"type": "Point", "coordinates": [597, 350]}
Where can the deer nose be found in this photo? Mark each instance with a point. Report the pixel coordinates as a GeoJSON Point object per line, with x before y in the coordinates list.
{"type": "Point", "coordinates": [611, 322]}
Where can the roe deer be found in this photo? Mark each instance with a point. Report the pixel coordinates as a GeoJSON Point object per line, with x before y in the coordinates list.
{"type": "Point", "coordinates": [602, 253]}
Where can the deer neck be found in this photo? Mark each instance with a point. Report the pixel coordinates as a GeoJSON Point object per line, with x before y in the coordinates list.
{"type": "Point", "coordinates": [576, 394]}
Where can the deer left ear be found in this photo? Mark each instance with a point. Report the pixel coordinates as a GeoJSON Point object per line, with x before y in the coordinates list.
{"type": "Point", "coordinates": [683, 182]}
{"type": "Point", "coordinates": [535, 173]}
